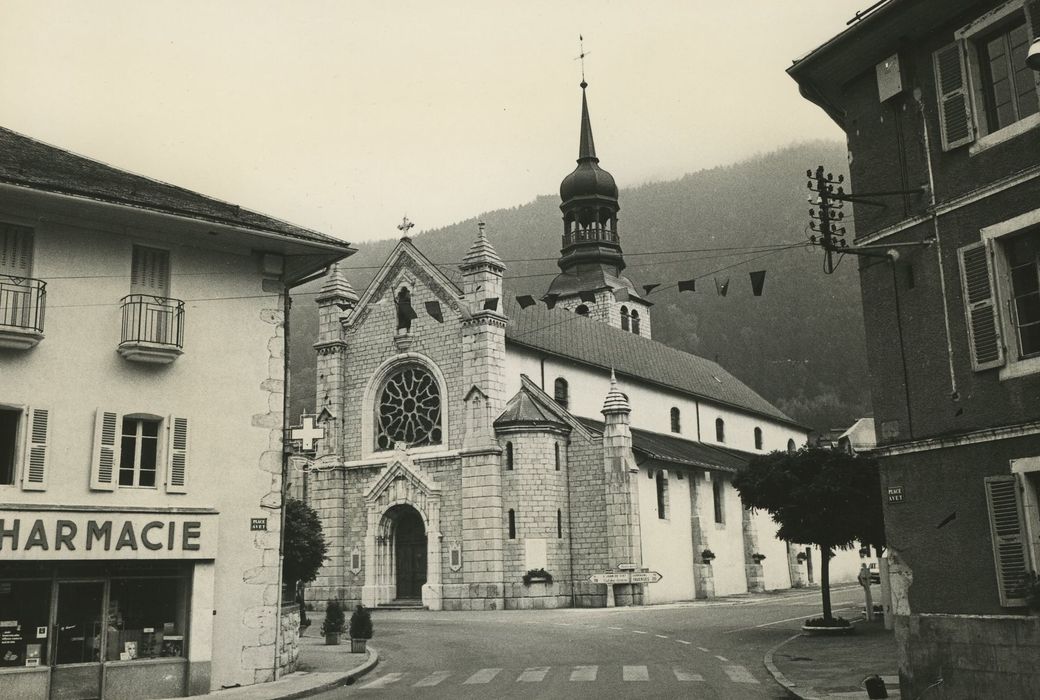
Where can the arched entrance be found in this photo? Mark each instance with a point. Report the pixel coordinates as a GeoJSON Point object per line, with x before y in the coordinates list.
{"type": "Point", "coordinates": [407, 532]}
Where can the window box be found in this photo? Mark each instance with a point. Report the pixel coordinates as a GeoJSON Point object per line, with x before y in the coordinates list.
{"type": "Point", "coordinates": [22, 303]}
{"type": "Point", "coordinates": [152, 329]}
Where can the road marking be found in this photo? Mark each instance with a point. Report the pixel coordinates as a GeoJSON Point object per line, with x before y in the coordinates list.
{"type": "Point", "coordinates": [739, 674]}
{"type": "Point", "coordinates": [640, 632]}
{"type": "Point", "coordinates": [778, 622]}
{"type": "Point", "coordinates": [484, 675]}
{"type": "Point", "coordinates": [683, 641]}
{"type": "Point", "coordinates": [681, 675]}
{"type": "Point", "coordinates": [432, 679]}
{"type": "Point", "coordinates": [383, 681]}
{"type": "Point", "coordinates": [661, 636]}
{"type": "Point", "coordinates": [535, 674]}
{"type": "Point", "coordinates": [562, 624]}
{"type": "Point", "coordinates": [614, 628]}
{"type": "Point", "coordinates": [704, 650]}
{"type": "Point", "coordinates": [584, 673]}
{"type": "Point", "coordinates": [722, 658]}
{"type": "Point", "coordinates": [634, 673]}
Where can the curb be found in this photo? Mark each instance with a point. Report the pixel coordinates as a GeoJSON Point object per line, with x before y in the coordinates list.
{"type": "Point", "coordinates": [783, 680]}
{"type": "Point", "coordinates": [346, 679]}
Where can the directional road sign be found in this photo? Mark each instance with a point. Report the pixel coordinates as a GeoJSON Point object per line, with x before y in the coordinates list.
{"type": "Point", "coordinates": [626, 577]}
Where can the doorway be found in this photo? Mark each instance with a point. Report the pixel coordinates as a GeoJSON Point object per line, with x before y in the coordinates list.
{"type": "Point", "coordinates": [78, 639]}
{"type": "Point", "coordinates": [409, 533]}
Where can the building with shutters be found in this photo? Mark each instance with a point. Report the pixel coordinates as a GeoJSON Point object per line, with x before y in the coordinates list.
{"type": "Point", "coordinates": [477, 441]}
{"type": "Point", "coordinates": [141, 394]}
{"type": "Point", "coordinates": [936, 97]}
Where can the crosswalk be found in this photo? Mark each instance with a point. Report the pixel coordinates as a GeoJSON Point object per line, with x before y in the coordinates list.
{"type": "Point", "coordinates": [634, 673]}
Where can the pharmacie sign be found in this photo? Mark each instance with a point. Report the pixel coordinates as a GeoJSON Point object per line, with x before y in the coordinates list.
{"type": "Point", "coordinates": [70, 535]}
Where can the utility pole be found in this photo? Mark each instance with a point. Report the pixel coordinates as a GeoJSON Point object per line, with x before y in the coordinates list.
{"type": "Point", "coordinates": [827, 212]}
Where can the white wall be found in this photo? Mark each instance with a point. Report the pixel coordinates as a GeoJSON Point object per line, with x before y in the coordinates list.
{"type": "Point", "coordinates": [774, 567]}
{"type": "Point", "coordinates": [667, 543]}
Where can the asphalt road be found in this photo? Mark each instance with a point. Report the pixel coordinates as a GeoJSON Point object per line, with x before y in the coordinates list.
{"type": "Point", "coordinates": [689, 650]}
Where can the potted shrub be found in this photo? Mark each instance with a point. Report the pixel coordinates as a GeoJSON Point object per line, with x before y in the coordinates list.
{"type": "Point", "coordinates": [707, 556]}
{"type": "Point", "coordinates": [335, 622]}
{"type": "Point", "coordinates": [360, 629]}
{"type": "Point", "coordinates": [537, 576]}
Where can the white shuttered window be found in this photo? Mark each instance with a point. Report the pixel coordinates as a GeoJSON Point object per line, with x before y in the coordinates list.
{"type": "Point", "coordinates": [1007, 528]}
{"type": "Point", "coordinates": [984, 336]}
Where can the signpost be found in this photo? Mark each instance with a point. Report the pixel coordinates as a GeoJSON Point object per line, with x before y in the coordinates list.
{"type": "Point", "coordinates": [614, 578]}
{"type": "Point", "coordinates": [627, 567]}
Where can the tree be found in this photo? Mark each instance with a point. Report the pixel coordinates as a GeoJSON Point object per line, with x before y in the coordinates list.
{"type": "Point", "coordinates": [817, 496]}
{"type": "Point", "coordinates": [304, 547]}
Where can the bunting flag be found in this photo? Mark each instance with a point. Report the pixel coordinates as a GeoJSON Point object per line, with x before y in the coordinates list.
{"type": "Point", "coordinates": [688, 285]}
{"type": "Point", "coordinates": [647, 288]}
{"type": "Point", "coordinates": [491, 304]}
{"type": "Point", "coordinates": [758, 278]}
{"type": "Point", "coordinates": [550, 300]}
{"type": "Point", "coordinates": [721, 289]}
{"type": "Point", "coordinates": [590, 297]}
{"type": "Point", "coordinates": [433, 308]}
{"type": "Point", "coordinates": [621, 294]}
{"type": "Point", "coordinates": [525, 300]}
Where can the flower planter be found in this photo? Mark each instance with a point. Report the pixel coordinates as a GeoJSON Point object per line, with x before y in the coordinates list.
{"type": "Point", "coordinates": [357, 646]}
{"type": "Point", "coordinates": [332, 639]}
{"type": "Point", "coordinates": [828, 631]}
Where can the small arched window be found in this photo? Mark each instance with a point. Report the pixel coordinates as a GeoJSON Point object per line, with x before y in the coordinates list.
{"type": "Point", "coordinates": [716, 493]}
{"type": "Point", "coordinates": [662, 494]}
{"type": "Point", "coordinates": [635, 321]}
{"type": "Point", "coordinates": [624, 318]}
{"type": "Point", "coordinates": [561, 391]}
{"type": "Point", "coordinates": [791, 447]}
{"type": "Point", "coordinates": [758, 438]}
{"type": "Point", "coordinates": [582, 310]}
{"type": "Point", "coordinates": [676, 427]}
{"type": "Point", "coordinates": [512, 524]}
{"type": "Point", "coordinates": [556, 451]}
{"type": "Point", "coordinates": [720, 430]}
{"type": "Point", "coordinates": [559, 523]}
{"type": "Point", "coordinates": [509, 456]}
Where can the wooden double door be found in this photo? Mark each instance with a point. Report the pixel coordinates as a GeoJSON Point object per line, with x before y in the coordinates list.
{"type": "Point", "coordinates": [410, 555]}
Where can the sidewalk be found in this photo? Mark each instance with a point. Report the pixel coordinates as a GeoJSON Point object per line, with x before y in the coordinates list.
{"type": "Point", "coordinates": [321, 668]}
{"type": "Point", "coordinates": [834, 667]}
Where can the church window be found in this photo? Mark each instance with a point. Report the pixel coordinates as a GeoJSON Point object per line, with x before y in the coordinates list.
{"type": "Point", "coordinates": [662, 494]}
{"type": "Point", "coordinates": [624, 318]}
{"type": "Point", "coordinates": [676, 427]}
{"type": "Point", "coordinates": [512, 524]}
{"type": "Point", "coordinates": [790, 446]}
{"type": "Point", "coordinates": [559, 523]}
{"type": "Point", "coordinates": [509, 456]}
{"type": "Point", "coordinates": [556, 452]}
{"type": "Point", "coordinates": [635, 321]}
{"type": "Point", "coordinates": [716, 492]}
{"type": "Point", "coordinates": [720, 430]}
{"type": "Point", "coordinates": [409, 409]}
{"type": "Point", "coordinates": [758, 438]}
{"type": "Point", "coordinates": [582, 310]}
{"type": "Point", "coordinates": [561, 391]}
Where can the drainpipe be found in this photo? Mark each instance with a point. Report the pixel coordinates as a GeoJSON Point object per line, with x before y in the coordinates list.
{"type": "Point", "coordinates": [286, 307]}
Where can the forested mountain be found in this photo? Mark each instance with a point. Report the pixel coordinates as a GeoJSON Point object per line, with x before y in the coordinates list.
{"type": "Point", "coordinates": [800, 344]}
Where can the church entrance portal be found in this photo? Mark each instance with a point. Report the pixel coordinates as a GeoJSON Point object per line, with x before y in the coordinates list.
{"type": "Point", "coordinates": [410, 545]}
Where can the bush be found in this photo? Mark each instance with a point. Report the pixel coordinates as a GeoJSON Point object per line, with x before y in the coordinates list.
{"type": "Point", "coordinates": [828, 622]}
{"type": "Point", "coordinates": [361, 623]}
{"type": "Point", "coordinates": [540, 575]}
{"type": "Point", "coordinates": [335, 619]}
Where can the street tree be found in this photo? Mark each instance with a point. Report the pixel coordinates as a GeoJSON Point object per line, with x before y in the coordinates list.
{"type": "Point", "coordinates": [304, 547]}
{"type": "Point", "coordinates": [817, 496]}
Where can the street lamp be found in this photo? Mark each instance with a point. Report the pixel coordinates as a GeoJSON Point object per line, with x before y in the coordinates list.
{"type": "Point", "coordinates": [1033, 57]}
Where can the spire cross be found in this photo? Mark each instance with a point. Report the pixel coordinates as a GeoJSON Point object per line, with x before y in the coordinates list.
{"type": "Point", "coordinates": [581, 57]}
{"type": "Point", "coordinates": [405, 226]}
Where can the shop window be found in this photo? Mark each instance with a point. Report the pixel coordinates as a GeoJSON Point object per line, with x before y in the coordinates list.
{"type": "Point", "coordinates": [509, 456]}
{"type": "Point", "coordinates": [25, 616]}
{"type": "Point", "coordinates": [720, 430]}
{"type": "Point", "coordinates": [409, 409]}
{"type": "Point", "coordinates": [9, 419]}
{"type": "Point", "coordinates": [662, 494]}
{"type": "Point", "coordinates": [138, 454]}
{"type": "Point", "coordinates": [146, 619]}
{"type": "Point", "coordinates": [512, 524]}
{"type": "Point", "coordinates": [717, 494]}
{"type": "Point", "coordinates": [676, 427]}
{"type": "Point", "coordinates": [561, 392]}
{"type": "Point", "coordinates": [758, 438]}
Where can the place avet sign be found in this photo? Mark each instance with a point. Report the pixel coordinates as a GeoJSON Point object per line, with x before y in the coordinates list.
{"type": "Point", "coordinates": [75, 535]}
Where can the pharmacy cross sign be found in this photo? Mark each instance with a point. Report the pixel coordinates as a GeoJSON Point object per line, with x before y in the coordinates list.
{"type": "Point", "coordinates": [307, 433]}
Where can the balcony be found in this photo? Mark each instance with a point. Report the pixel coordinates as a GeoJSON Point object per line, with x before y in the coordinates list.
{"type": "Point", "coordinates": [22, 303]}
{"type": "Point", "coordinates": [153, 329]}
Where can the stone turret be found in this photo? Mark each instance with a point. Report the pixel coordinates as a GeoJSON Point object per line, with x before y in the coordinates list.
{"type": "Point", "coordinates": [335, 299]}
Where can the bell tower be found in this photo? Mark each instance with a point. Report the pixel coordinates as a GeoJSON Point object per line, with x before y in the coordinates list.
{"type": "Point", "coordinates": [591, 282]}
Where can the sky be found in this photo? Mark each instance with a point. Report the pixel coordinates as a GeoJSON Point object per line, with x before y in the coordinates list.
{"type": "Point", "coordinates": [346, 116]}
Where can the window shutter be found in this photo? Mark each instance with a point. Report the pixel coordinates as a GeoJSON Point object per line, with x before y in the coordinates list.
{"type": "Point", "coordinates": [1007, 527]}
{"type": "Point", "coordinates": [984, 337]}
{"type": "Point", "coordinates": [955, 121]}
{"type": "Point", "coordinates": [34, 467]}
{"type": "Point", "coordinates": [15, 250]}
{"type": "Point", "coordinates": [104, 464]}
{"type": "Point", "coordinates": [150, 271]}
{"type": "Point", "coordinates": [177, 456]}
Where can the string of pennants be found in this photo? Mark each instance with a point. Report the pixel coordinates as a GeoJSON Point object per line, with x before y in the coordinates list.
{"type": "Point", "coordinates": [433, 308]}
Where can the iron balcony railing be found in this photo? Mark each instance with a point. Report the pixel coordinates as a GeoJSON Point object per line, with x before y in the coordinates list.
{"type": "Point", "coordinates": [590, 233]}
{"type": "Point", "coordinates": [149, 319]}
{"type": "Point", "coordinates": [22, 302]}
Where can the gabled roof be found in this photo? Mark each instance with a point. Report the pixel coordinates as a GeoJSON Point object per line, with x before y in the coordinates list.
{"type": "Point", "coordinates": [587, 341]}
{"type": "Point", "coordinates": [32, 164]}
{"type": "Point", "coordinates": [669, 451]}
{"type": "Point", "coordinates": [531, 406]}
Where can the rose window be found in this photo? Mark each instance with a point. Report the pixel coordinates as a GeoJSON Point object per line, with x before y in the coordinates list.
{"type": "Point", "coordinates": [409, 410]}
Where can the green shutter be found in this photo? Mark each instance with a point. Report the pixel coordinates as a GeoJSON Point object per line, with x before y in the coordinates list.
{"type": "Point", "coordinates": [955, 120]}
{"type": "Point", "coordinates": [984, 337]}
{"type": "Point", "coordinates": [1007, 527]}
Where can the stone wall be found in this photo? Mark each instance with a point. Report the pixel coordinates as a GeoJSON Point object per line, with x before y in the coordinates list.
{"type": "Point", "coordinates": [969, 656]}
{"type": "Point", "coordinates": [289, 639]}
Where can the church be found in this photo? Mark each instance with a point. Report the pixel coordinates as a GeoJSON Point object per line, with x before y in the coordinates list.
{"type": "Point", "coordinates": [483, 451]}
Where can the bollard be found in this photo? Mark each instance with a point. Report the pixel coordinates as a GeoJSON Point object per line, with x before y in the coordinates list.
{"type": "Point", "coordinates": [875, 687]}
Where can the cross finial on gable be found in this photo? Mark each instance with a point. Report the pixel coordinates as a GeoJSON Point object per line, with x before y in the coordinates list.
{"type": "Point", "coordinates": [404, 227]}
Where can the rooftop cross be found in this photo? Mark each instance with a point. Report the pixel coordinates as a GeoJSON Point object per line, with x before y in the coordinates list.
{"type": "Point", "coordinates": [405, 226]}
{"type": "Point", "coordinates": [581, 57]}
